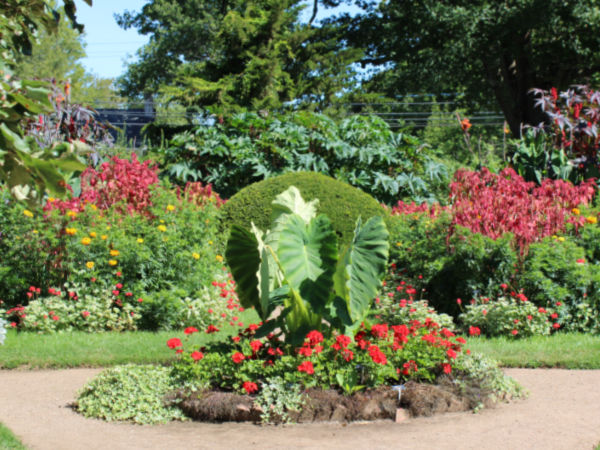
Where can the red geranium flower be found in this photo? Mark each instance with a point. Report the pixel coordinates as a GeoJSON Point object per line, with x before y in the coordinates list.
{"type": "Point", "coordinates": [174, 343]}
{"type": "Point", "coordinates": [238, 357]}
{"type": "Point", "coordinates": [255, 345]}
{"type": "Point", "coordinates": [379, 330]}
{"type": "Point", "coordinates": [314, 337]}
{"type": "Point", "coordinates": [377, 355]}
{"type": "Point", "coordinates": [190, 330]}
{"type": "Point", "coordinates": [305, 351]}
{"type": "Point", "coordinates": [447, 368]}
{"type": "Point", "coordinates": [211, 329]}
{"type": "Point", "coordinates": [197, 356]}
{"type": "Point", "coordinates": [250, 387]}
{"type": "Point", "coordinates": [474, 331]}
{"type": "Point", "coordinates": [307, 367]}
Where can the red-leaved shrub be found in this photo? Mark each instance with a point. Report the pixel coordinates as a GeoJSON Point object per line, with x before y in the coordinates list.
{"type": "Point", "coordinates": [119, 182]}
{"type": "Point", "coordinates": [200, 195]}
{"type": "Point", "coordinates": [495, 204]}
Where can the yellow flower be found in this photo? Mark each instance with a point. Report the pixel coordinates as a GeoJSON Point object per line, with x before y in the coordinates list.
{"type": "Point", "coordinates": [140, 241]}
{"type": "Point", "coordinates": [70, 231]}
{"type": "Point", "coordinates": [398, 244]}
{"type": "Point", "coordinates": [86, 241]}
{"type": "Point", "coordinates": [103, 237]}
{"type": "Point", "coordinates": [170, 208]}
{"type": "Point", "coordinates": [71, 213]}
{"type": "Point", "coordinates": [561, 239]}
{"type": "Point", "coordinates": [591, 219]}
{"type": "Point", "coordinates": [195, 255]}
{"type": "Point", "coordinates": [162, 228]}
{"type": "Point", "coordinates": [162, 221]}
{"type": "Point", "coordinates": [210, 242]}
{"type": "Point", "coordinates": [554, 236]}
{"type": "Point", "coordinates": [35, 231]}
{"type": "Point", "coordinates": [219, 258]}
{"type": "Point", "coordinates": [89, 264]}
{"type": "Point", "coordinates": [108, 227]}
{"type": "Point", "coordinates": [206, 221]}
{"type": "Point", "coordinates": [51, 199]}
{"type": "Point", "coordinates": [112, 262]}
{"type": "Point", "coordinates": [27, 213]}
{"type": "Point", "coordinates": [93, 234]}
{"type": "Point", "coordinates": [114, 253]}
{"type": "Point", "coordinates": [575, 211]}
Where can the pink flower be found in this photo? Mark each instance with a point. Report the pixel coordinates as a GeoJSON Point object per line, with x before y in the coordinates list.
{"type": "Point", "coordinates": [85, 313]}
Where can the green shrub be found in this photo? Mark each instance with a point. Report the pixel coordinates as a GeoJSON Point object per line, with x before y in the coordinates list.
{"type": "Point", "coordinates": [465, 266]}
{"type": "Point", "coordinates": [129, 393]}
{"type": "Point", "coordinates": [27, 243]}
{"type": "Point", "coordinates": [556, 272]}
{"type": "Point", "coordinates": [507, 316]}
{"type": "Point", "coordinates": [360, 150]}
{"type": "Point", "coordinates": [339, 201]}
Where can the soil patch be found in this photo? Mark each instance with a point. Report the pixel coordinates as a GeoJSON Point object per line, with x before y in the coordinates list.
{"type": "Point", "coordinates": [562, 412]}
{"type": "Point", "coordinates": [328, 405]}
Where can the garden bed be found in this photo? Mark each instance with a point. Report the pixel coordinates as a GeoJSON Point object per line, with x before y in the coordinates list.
{"type": "Point", "coordinates": [417, 399]}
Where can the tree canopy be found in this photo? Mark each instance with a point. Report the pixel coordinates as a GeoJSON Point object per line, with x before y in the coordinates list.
{"type": "Point", "coordinates": [258, 54]}
{"type": "Point", "coordinates": [253, 54]}
{"type": "Point", "coordinates": [493, 51]}
{"type": "Point", "coordinates": [56, 54]}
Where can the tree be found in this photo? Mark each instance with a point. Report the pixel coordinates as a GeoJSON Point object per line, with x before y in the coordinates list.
{"type": "Point", "coordinates": [56, 55]}
{"type": "Point", "coordinates": [486, 48]}
{"type": "Point", "coordinates": [253, 54]}
{"type": "Point", "coordinates": [28, 170]}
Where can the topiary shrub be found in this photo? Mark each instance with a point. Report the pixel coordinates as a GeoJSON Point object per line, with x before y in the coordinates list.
{"type": "Point", "coordinates": [341, 202]}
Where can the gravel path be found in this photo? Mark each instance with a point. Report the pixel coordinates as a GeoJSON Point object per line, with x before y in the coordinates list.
{"type": "Point", "coordinates": [562, 412]}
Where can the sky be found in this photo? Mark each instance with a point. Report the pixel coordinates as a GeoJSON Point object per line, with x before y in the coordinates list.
{"type": "Point", "coordinates": [109, 47]}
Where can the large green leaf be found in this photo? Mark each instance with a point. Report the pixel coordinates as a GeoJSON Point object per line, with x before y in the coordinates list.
{"type": "Point", "coordinates": [243, 258]}
{"type": "Point", "coordinates": [291, 202]}
{"type": "Point", "coordinates": [359, 271]}
{"type": "Point", "coordinates": [307, 255]}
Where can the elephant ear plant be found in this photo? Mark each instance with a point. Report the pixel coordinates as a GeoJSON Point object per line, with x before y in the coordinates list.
{"type": "Point", "coordinates": [297, 266]}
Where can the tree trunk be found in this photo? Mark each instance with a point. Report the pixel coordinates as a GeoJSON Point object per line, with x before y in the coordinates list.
{"type": "Point", "coordinates": [511, 78]}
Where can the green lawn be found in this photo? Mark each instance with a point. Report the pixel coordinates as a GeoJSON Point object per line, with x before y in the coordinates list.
{"type": "Point", "coordinates": [79, 349]}
{"type": "Point", "coordinates": [8, 441]}
{"type": "Point", "coordinates": [570, 351]}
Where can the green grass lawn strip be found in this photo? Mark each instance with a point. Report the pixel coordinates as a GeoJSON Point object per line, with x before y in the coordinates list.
{"type": "Point", "coordinates": [568, 350]}
{"type": "Point", "coordinates": [8, 441]}
{"type": "Point", "coordinates": [80, 349]}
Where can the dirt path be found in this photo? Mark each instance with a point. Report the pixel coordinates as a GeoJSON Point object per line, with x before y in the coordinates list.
{"type": "Point", "coordinates": [562, 412]}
